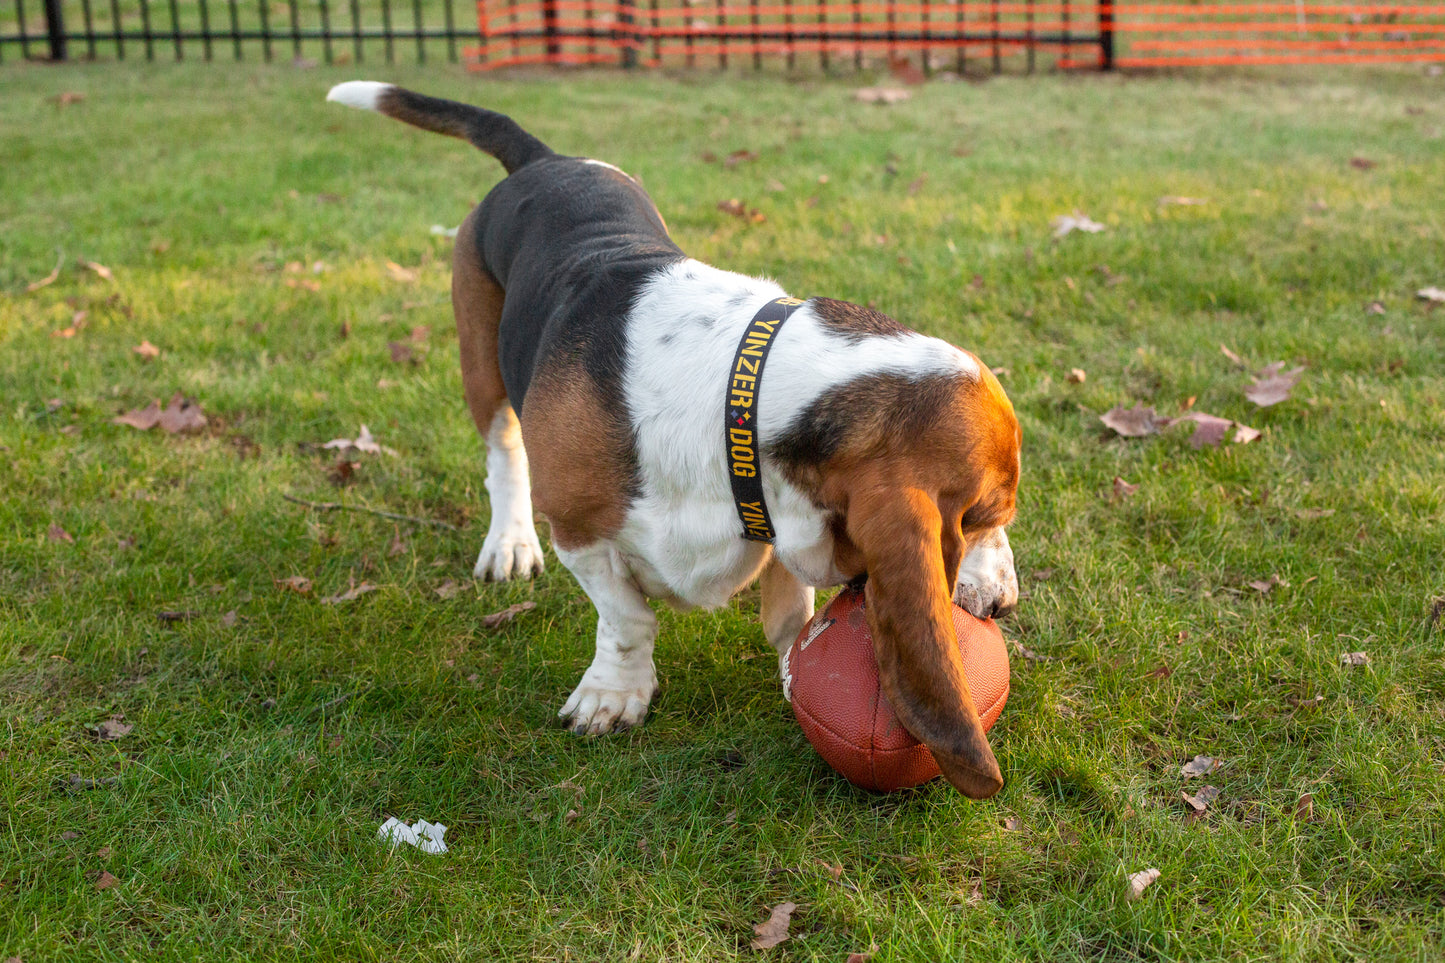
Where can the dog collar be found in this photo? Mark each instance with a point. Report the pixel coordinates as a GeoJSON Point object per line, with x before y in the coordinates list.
{"type": "Point", "coordinates": [740, 417]}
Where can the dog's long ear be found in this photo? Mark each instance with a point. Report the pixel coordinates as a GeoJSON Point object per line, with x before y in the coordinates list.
{"type": "Point", "coordinates": [899, 532]}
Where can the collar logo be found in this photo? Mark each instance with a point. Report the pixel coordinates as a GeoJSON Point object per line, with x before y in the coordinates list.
{"type": "Point", "coordinates": [744, 458]}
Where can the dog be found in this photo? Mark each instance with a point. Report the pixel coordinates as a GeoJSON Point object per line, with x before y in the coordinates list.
{"type": "Point", "coordinates": [686, 430]}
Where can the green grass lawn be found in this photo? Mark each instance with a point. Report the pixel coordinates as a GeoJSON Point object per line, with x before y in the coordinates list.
{"type": "Point", "coordinates": [249, 225]}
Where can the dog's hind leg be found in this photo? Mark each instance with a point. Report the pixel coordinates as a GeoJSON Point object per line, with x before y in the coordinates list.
{"type": "Point", "coordinates": [511, 549]}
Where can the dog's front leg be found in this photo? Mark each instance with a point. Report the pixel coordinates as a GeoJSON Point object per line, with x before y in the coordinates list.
{"type": "Point", "coordinates": [618, 686]}
{"type": "Point", "coordinates": [787, 607]}
{"type": "Point", "coordinates": [987, 585]}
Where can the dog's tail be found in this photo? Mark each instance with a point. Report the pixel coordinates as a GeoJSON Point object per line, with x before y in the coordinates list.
{"type": "Point", "coordinates": [496, 134]}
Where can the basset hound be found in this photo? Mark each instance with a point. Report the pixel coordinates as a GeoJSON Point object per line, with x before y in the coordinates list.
{"type": "Point", "coordinates": [686, 430]}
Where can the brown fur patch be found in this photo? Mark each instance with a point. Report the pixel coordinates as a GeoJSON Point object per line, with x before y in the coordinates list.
{"type": "Point", "coordinates": [581, 475]}
{"type": "Point", "coordinates": [477, 305]}
{"type": "Point", "coordinates": [854, 320]}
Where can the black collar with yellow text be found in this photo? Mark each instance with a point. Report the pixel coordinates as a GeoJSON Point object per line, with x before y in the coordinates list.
{"type": "Point", "coordinates": [740, 421]}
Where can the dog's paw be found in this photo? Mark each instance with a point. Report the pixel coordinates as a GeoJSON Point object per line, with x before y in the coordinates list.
{"type": "Point", "coordinates": [508, 557]}
{"type": "Point", "coordinates": [987, 584]}
{"type": "Point", "coordinates": [608, 702]}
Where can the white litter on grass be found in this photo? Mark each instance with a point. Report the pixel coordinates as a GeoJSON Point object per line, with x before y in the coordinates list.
{"type": "Point", "coordinates": [363, 442]}
{"type": "Point", "coordinates": [425, 836]}
{"type": "Point", "coordinates": [1067, 223]}
{"type": "Point", "coordinates": [442, 231]}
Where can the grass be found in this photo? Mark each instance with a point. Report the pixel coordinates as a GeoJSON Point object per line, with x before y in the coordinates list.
{"type": "Point", "coordinates": [268, 748]}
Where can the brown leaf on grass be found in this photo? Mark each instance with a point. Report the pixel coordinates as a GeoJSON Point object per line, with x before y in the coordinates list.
{"type": "Point", "coordinates": [867, 955]}
{"type": "Point", "coordinates": [101, 271]}
{"type": "Point", "coordinates": [147, 350]}
{"type": "Point", "coordinates": [1354, 658]}
{"type": "Point", "coordinates": [737, 157]}
{"type": "Point", "coordinates": [447, 589]}
{"type": "Point", "coordinates": [1065, 224]}
{"type": "Point", "coordinates": [342, 471]}
{"type": "Point", "coordinates": [398, 545]}
{"type": "Point", "coordinates": [105, 881]}
{"type": "Point", "coordinates": [229, 619]}
{"type": "Point", "coordinates": [299, 584]}
{"type": "Point", "coordinates": [1012, 824]}
{"type": "Point", "coordinates": [181, 415]}
{"type": "Point", "coordinates": [177, 615]}
{"type": "Point", "coordinates": [1200, 801]}
{"type": "Point", "coordinates": [1175, 200]}
{"type": "Point", "coordinates": [835, 870]}
{"type": "Point", "coordinates": [1243, 434]}
{"type": "Point", "coordinates": [1273, 384]}
{"type": "Point", "coordinates": [1432, 293]}
{"type": "Point", "coordinates": [1376, 307]}
{"type": "Point", "coordinates": [881, 95]}
{"type": "Point", "coordinates": [364, 442]}
{"type": "Point", "coordinates": [741, 211]}
{"type": "Point", "coordinates": [1300, 702]}
{"type": "Point", "coordinates": [111, 729]}
{"type": "Point", "coordinates": [1159, 672]}
{"type": "Point", "coordinates": [398, 273]}
{"type": "Point", "coordinates": [77, 323]}
{"type": "Point", "coordinates": [1361, 163]}
{"type": "Point", "coordinates": [49, 279]}
{"type": "Point", "coordinates": [103, 853]}
{"type": "Point", "coordinates": [916, 185]}
{"type": "Point", "coordinates": [143, 418]}
{"type": "Point", "coordinates": [354, 592]}
{"type": "Point", "coordinates": [1076, 376]}
{"type": "Point", "coordinates": [1208, 429]}
{"type": "Point", "coordinates": [67, 97]}
{"type": "Point", "coordinates": [1123, 489]}
{"type": "Point", "coordinates": [1304, 808]}
{"type": "Point", "coordinates": [1232, 356]}
{"type": "Point", "coordinates": [774, 929]}
{"type": "Point", "coordinates": [1265, 586]}
{"type": "Point", "coordinates": [1135, 422]}
{"type": "Point", "coordinates": [57, 534]}
{"type": "Point", "coordinates": [1199, 766]}
{"type": "Point", "coordinates": [507, 614]}
{"type": "Point", "coordinates": [1140, 881]}
{"type": "Point", "coordinates": [401, 352]}
{"type": "Point", "coordinates": [1027, 653]}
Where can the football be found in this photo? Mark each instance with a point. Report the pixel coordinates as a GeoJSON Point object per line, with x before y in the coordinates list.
{"type": "Point", "coordinates": [831, 678]}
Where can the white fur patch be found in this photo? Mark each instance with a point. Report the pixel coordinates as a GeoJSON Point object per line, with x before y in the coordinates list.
{"type": "Point", "coordinates": [362, 94]}
{"type": "Point", "coordinates": [611, 167]}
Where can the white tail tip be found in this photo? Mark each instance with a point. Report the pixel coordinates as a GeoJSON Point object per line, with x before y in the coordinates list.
{"type": "Point", "coordinates": [362, 94]}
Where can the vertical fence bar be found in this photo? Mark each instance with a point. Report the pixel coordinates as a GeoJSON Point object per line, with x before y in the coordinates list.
{"type": "Point", "coordinates": [24, 30]}
{"type": "Point", "coordinates": [857, 35]}
{"type": "Point", "coordinates": [265, 29]}
{"type": "Point", "coordinates": [145, 26]}
{"type": "Point", "coordinates": [823, 36]}
{"type": "Point", "coordinates": [1068, 55]}
{"type": "Point", "coordinates": [176, 29]}
{"type": "Point", "coordinates": [417, 23]}
{"type": "Point", "coordinates": [451, 33]}
{"type": "Point", "coordinates": [1029, 14]}
{"type": "Point", "coordinates": [235, 30]}
{"type": "Point", "coordinates": [590, 16]}
{"type": "Point", "coordinates": [1106, 35]}
{"type": "Point", "coordinates": [116, 29]}
{"type": "Point", "coordinates": [625, 19]}
{"type": "Point", "coordinates": [549, 27]}
{"type": "Point", "coordinates": [993, 35]}
{"type": "Point", "coordinates": [722, 37]}
{"type": "Point", "coordinates": [386, 31]}
{"type": "Point", "coordinates": [89, 29]}
{"type": "Point", "coordinates": [656, 36]}
{"type": "Point", "coordinates": [356, 43]}
{"type": "Point", "coordinates": [294, 14]}
{"type": "Point", "coordinates": [756, 21]}
{"type": "Point", "coordinates": [55, 27]}
{"type": "Point", "coordinates": [960, 19]}
{"type": "Point", "coordinates": [687, 37]}
{"type": "Point", "coordinates": [892, 17]}
{"type": "Point", "coordinates": [927, 50]}
{"type": "Point", "coordinates": [205, 31]}
{"type": "Point", "coordinates": [325, 10]}
{"type": "Point", "coordinates": [788, 30]}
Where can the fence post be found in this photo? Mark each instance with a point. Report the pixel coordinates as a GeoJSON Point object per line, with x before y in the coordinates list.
{"type": "Point", "coordinates": [1106, 35]}
{"type": "Point", "coordinates": [55, 24]}
{"type": "Point", "coordinates": [624, 22]}
{"type": "Point", "coordinates": [549, 21]}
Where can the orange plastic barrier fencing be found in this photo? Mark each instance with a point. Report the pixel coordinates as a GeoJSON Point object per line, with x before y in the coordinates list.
{"type": "Point", "coordinates": [954, 34]}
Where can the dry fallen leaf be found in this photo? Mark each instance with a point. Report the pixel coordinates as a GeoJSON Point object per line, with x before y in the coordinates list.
{"type": "Point", "coordinates": [1172, 200]}
{"type": "Point", "coordinates": [401, 352]}
{"type": "Point", "coordinates": [1272, 384]}
{"type": "Point", "coordinates": [57, 534]}
{"type": "Point", "coordinates": [1135, 422]}
{"type": "Point", "coordinates": [1076, 376]}
{"type": "Point", "coordinates": [507, 614]}
{"type": "Point", "coordinates": [296, 583]}
{"type": "Point", "coordinates": [398, 273]}
{"type": "Point", "coordinates": [1243, 434]}
{"type": "Point", "coordinates": [1299, 702]}
{"type": "Point", "coordinates": [1232, 356]}
{"type": "Point", "coordinates": [181, 415]}
{"type": "Point", "coordinates": [1265, 586]}
{"type": "Point", "coordinates": [1431, 293]}
{"type": "Point", "coordinates": [447, 589]}
{"type": "Point", "coordinates": [1361, 163]}
{"type": "Point", "coordinates": [1304, 809]}
{"type": "Point", "coordinates": [106, 881]}
{"type": "Point", "coordinates": [146, 350]}
{"type": "Point", "coordinates": [101, 270]}
{"type": "Point", "coordinates": [774, 929]}
{"type": "Point", "coordinates": [1354, 658]}
{"type": "Point", "coordinates": [1208, 429]}
{"type": "Point", "coordinates": [364, 442]}
{"type": "Point", "coordinates": [741, 211]}
{"type": "Point", "coordinates": [1013, 824]}
{"type": "Point", "coordinates": [354, 592]}
{"type": "Point", "coordinates": [398, 545]}
{"type": "Point", "coordinates": [1065, 224]}
{"type": "Point", "coordinates": [1123, 489]}
{"type": "Point", "coordinates": [49, 279]}
{"type": "Point", "coordinates": [112, 729]}
{"type": "Point", "coordinates": [1140, 881]}
{"type": "Point", "coordinates": [143, 418]}
{"type": "Point", "coordinates": [1200, 801]}
{"type": "Point", "coordinates": [739, 157]}
{"type": "Point", "coordinates": [1199, 766]}
{"type": "Point", "coordinates": [867, 955]}
{"type": "Point", "coordinates": [881, 95]}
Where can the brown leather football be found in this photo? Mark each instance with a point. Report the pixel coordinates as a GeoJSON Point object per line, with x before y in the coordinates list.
{"type": "Point", "coordinates": [831, 677]}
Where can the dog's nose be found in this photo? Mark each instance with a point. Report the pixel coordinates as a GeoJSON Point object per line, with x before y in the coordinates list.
{"type": "Point", "coordinates": [998, 610]}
